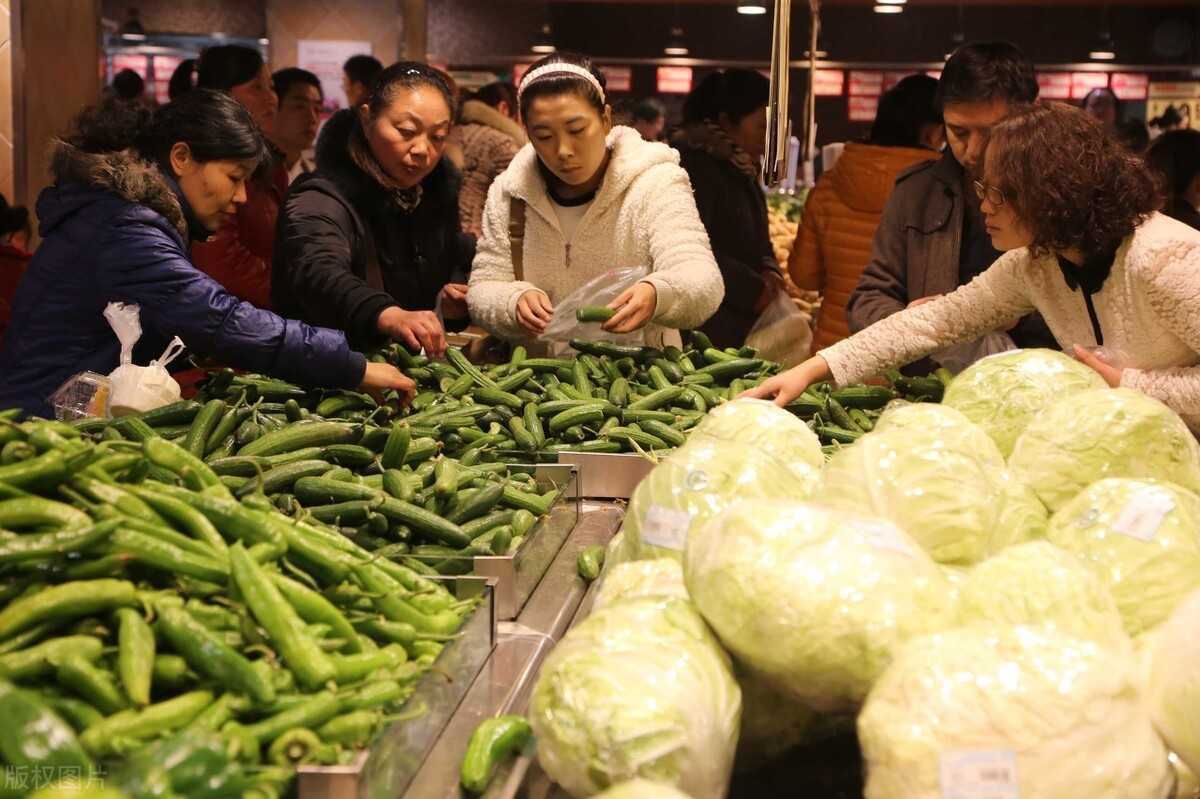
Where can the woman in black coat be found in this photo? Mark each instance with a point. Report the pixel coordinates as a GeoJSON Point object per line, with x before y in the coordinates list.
{"type": "Point", "coordinates": [370, 243]}
{"type": "Point", "coordinates": [721, 146]}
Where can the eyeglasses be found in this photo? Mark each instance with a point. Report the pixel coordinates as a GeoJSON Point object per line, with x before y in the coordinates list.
{"type": "Point", "coordinates": [990, 193]}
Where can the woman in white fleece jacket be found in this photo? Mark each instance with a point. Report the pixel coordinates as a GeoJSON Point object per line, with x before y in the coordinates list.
{"type": "Point", "coordinates": [1086, 248]}
{"type": "Point", "coordinates": [593, 198]}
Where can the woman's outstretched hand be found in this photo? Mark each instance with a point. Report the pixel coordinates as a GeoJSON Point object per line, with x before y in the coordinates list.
{"type": "Point", "coordinates": [785, 387]}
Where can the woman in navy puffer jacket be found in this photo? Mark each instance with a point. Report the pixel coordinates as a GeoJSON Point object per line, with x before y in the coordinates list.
{"type": "Point", "coordinates": [131, 191]}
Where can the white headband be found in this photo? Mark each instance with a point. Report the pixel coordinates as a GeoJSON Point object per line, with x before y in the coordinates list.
{"type": "Point", "coordinates": [552, 69]}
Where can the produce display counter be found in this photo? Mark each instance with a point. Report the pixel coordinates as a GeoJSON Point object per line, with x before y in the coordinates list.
{"type": "Point", "coordinates": [504, 683]}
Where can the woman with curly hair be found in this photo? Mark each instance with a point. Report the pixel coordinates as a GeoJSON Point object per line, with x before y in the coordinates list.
{"type": "Point", "coordinates": [1085, 246]}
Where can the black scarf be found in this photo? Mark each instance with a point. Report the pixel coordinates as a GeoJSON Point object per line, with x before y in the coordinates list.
{"type": "Point", "coordinates": [1090, 279]}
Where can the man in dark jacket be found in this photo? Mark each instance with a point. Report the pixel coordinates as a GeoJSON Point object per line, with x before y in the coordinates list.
{"type": "Point", "coordinates": [347, 249]}
{"type": "Point", "coordinates": [932, 238]}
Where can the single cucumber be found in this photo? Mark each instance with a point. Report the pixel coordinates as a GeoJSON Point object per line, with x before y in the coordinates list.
{"type": "Point", "coordinates": [594, 313]}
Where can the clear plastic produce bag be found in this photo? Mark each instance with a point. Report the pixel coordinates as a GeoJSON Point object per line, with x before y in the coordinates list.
{"type": "Point", "coordinates": [139, 388]}
{"type": "Point", "coordinates": [783, 332]}
{"type": "Point", "coordinates": [598, 291]}
{"type": "Point", "coordinates": [83, 395]}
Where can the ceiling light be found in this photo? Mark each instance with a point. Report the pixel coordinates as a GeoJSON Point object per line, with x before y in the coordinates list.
{"type": "Point", "coordinates": [889, 9]}
{"type": "Point", "coordinates": [751, 10]}
{"type": "Point", "coordinates": [820, 54]}
{"type": "Point", "coordinates": [676, 46]}
{"type": "Point", "coordinates": [1102, 55]}
{"type": "Point", "coordinates": [891, 2]}
{"type": "Point", "coordinates": [1104, 49]}
{"type": "Point", "coordinates": [543, 43]}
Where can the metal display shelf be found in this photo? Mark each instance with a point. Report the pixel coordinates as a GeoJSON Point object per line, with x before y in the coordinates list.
{"type": "Point", "coordinates": [608, 476]}
{"type": "Point", "coordinates": [507, 678]}
{"type": "Point", "coordinates": [387, 768]}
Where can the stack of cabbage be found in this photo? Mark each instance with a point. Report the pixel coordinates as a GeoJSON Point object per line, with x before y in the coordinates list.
{"type": "Point", "coordinates": [743, 449]}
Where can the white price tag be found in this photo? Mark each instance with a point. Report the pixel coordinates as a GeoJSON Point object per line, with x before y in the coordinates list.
{"type": "Point", "coordinates": [979, 774]}
{"type": "Point", "coordinates": [665, 528]}
{"type": "Point", "coordinates": [1144, 513]}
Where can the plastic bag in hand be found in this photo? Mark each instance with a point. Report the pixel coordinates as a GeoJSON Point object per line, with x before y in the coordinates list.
{"type": "Point", "coordinates": [783, 332]}
{"type": "Point", "coordinates": [139, 388]}
{"type": "Point", "coordinates": [599, 291]}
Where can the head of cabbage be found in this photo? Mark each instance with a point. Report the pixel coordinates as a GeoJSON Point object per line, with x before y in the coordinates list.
{"type": "Point", "coordinates": [1109, 432]}
{"type": "Point", "coordinates": [1047, 715]}
{"type": "Point", "coordinates": [943, 482]}
{"type": "Point", "coordinates": [1171, 683]}
{"type": "Point", "coordinates": [640, 688]}
{"type": "Point", "coordinates": [1040, 584]}
{"type": "Point", "coordinates": [658, 577]}
{"type": "Point", "coordinates": [1003, 392]}
{"type": "Point", "coordinates": [743, 449]}
{"type": "Point", "coordinates": [814, 599]}
{"type": "Point", "coordinates": [1141, 537]}
{"type": "Point", "coordinates": [643, 789]}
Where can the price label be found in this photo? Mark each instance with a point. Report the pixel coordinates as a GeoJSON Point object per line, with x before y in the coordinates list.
{"type": "Point", "coordinates": [1144, 513]}
{"type": "Point", "coordinates": [665, 528]}
{"type": "Point", "coordinates": [979, 774]}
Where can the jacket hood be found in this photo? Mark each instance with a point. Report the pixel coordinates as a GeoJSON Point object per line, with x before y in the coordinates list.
{"type": "Point", "coordinates": [631, 157]}
{"type": "Point", "coordinates": [82, 178]}
{"type": "Point", "coordinates": [440, 186]}
{"type": "Point", "coordinates": [865, 173]}
{"type": "Point", "coordinates": [480, 113]}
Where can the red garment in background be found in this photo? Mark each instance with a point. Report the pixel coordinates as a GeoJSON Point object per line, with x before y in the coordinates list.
{"type": "Point", "coordinates": [238, 256]}
{"type": "Point", "coordinates": [12, 266]}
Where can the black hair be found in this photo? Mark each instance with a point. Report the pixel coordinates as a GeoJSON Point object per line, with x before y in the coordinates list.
{"type": "Point", "coordinates": [649, 110]}
{"type": "Point", "coordinates": [213, 125]}
{"type": "Point", "coordinates": [283, 81]}
{"type": "Point", "coordinates": [221, 68]}
{"type": "Point", "coordinates": [497, 92]}
{"type": "Point", "coordinates": [904, 111]}
{"type": "Point", "coordinates": [13, 219]}
{"type": "Point", "coordinates": [1134, 134]}
{"type": "Point", "coordinates": [556, 84]}
{"type": "Point", "coordinates": [362, 69]}
{"type": "Point", "coordinates": [128, 85]}
{"type": "Point", "coordinates": [1116, 101]}
{"type": "Point", "coordinates": [409, 75]}
{"type": "Point", "coordinates": [979, 72]}
{"type": "Point", "coordinates": [1167, 118]}
{"type": "Point", "coordinates": [734, 92]}
{"type": "Point", "coordinates": [1174, 157]}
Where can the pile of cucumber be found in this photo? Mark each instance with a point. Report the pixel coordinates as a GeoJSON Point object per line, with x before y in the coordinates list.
{"type": "Point", "coordinates": [159, 629]}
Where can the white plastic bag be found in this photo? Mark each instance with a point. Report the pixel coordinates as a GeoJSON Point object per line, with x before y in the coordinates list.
{"type": "Point", "coordinates": [598, 291]}
{"type": "Point", "coordinates": [139, 388]}
{"type": "Point", "coordinates": [783, 332]}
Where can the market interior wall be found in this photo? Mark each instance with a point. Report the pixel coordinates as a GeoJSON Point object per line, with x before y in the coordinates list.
{"type": "Point", "coordinates": [6, 105]}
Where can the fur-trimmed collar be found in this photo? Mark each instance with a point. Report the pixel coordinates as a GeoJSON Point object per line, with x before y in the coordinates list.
{"type": "Point", "coordinates": [480, 113]}
{"type": "Point", "coordinates": [124, 174]}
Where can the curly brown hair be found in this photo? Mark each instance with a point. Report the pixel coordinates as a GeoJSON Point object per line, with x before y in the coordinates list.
{"type": "Point", "coordinates": [1068, 180]}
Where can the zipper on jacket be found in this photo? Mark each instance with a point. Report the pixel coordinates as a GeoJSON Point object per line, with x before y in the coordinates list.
{"type": "Point", "coordinates": [568, 255]}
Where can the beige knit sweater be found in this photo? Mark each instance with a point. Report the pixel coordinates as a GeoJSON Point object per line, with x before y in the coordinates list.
{"type": "Point", "coordinates": [643, 215]}
{"type": "Point", "coordinates": [1149, 312]}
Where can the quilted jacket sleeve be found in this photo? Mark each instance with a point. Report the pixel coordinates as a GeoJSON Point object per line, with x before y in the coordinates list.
{"type": "Point", "coordinates": [1170, 277]}
{"type": "Point", "coordinates": [685, 274]}
{"type": "Point", "coordinates": [179, 300]}
{"type": "Point", "coordinates": [992, 300]}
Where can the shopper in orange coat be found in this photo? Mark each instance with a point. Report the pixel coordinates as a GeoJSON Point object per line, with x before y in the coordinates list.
{"type": "Point", "coordinates": [833, 244]}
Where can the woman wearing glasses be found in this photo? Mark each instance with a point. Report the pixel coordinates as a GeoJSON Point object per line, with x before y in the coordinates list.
{"type": "Point", "coordinates": [1085, 246]}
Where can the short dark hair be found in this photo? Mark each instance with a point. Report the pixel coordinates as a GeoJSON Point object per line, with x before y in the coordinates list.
{"type": "Point", "coordinates": [904, 110]}
{"type": "Point", "coordinates": [649, 110]}
{"type": "Point", "coordinates": [495, 93]}
{"type": "Point", "coordinates": [211, 123]}
{"type": "Point", "coordinates": [563, 82]}
{"type": "Point", "coordinates": [128, 85]}
{"type": "Point", "coordinates": [408, 75]}
{"type": "Point", "coordinates": [220, 68]}
{"type": "Point", "coordinates": [283, 81]}
{"type": "Point", "coordinates": [362, 69]}
{"type": "Point", "coordinates": [1068, 179]}
{"type": "Point", "coordinates": [1174, 157]}
{"type": "Point", "coordinates": [734, 92]}
{"type": "Point", "coordinates": [979, 72]}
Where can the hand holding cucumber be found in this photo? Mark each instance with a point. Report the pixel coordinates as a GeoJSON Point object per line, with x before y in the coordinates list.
{"type": "Point", "coordinates": [418, 329]}
{"type": "Point", "coordinates": [381, 377]}
{"type": "Point", "coordinates": [534, 311]}
{"type": "Point", "coordinates": [634, 308]}
{"type": "Point", "coordinates": [787, 386]}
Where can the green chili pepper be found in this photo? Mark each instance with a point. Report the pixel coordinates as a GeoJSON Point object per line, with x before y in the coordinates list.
{"type": "Point", "coordinates": [352, 729]}
{"type": "Point", "coordinates": [33, 737]}
{"type": "Point", "coordinates": [40, 660]}
{"type": "Point", "coordinates": [493, 741]}
{"type": "Point", "coordinates": [100, 739]}
{"type": "Point", "coordinates": [316, 609]}
{"type": "Point", "coordinates": [66, 601]}
{"type": "Point", "coordinates": [208, 655]}
{"type": "Point", "coordinates": [46, 545]}
{"type": "Point", "coordinates": [135, 655]}
{"type": "Point", "coordinates": [318, 709]}
{"type": "Point", "coordinates": [300, 746]}
{"type": "Point", "coordinates": [94, 684]}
